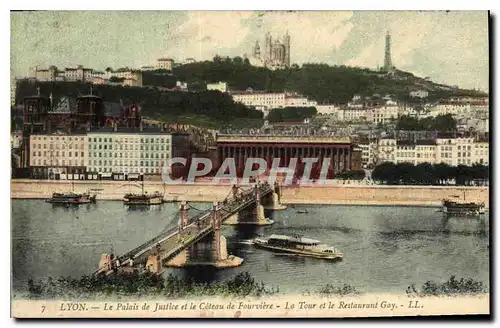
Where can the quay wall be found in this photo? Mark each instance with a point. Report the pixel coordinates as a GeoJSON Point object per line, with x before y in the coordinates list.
{"type": "Point", "coordinates": [383, 195]}
{"type": "Point", "coordinates": [205, 192]}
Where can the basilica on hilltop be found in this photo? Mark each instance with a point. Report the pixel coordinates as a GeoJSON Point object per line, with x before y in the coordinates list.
{"type": "Point", "coordinates": [275, 55]}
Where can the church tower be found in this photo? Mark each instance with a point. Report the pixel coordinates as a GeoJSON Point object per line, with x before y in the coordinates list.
{"type": "Point", "coordinates": [287, 49]}
{"type": "Point", "coordinates": [256, 50]}
{"type": "Point", "coordinates": [267, 57]}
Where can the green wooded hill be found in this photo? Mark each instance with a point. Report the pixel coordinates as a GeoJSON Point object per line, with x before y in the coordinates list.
{"type": "Point", "coordinates": [320, 82]}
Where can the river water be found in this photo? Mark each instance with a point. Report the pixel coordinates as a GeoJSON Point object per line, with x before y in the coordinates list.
{"type": "Point", "coordinates": [386, 249]}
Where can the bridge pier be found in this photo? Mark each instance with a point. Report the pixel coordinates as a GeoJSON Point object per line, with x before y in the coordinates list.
{"type": "Point", "coordinates": [107, 264]}
{"type": "Point", "coordinates": [218, 256]}
{"type": "Point", "coordinates": [256, 217]}
{"type": "Point", "coordinates": [276, 199]}
{"type": "Point", "coordinates": [153, 264]}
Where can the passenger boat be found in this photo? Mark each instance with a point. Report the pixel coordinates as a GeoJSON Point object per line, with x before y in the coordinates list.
{"type": "Point", "coordinates": [299, 246]}
{"type": "Point", "coordinates": [462, 207]}
{"type": "Point", "coordinates": [71, 198]}
{"type": "Point", "coordinates": [143, 198]}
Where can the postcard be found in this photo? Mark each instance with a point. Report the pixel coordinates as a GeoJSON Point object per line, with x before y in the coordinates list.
{"type": "Point", "coordinates": [250, 164]}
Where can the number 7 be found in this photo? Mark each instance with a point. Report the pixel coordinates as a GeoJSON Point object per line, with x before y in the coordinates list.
{"type": "Point", "coordinates": [43, 308]}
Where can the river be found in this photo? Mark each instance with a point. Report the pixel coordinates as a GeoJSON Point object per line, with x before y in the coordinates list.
{"type": "Point", "coordinates": [386, 249]}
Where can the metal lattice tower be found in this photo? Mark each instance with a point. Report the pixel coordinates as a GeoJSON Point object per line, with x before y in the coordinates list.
{"type": "Point", "coordinates": [387, 58]}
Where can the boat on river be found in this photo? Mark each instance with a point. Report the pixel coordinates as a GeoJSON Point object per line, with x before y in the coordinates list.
{"type": "Point", "coordinates": [143, 198]}
{"type": "Point", "coordinates": [71, 198]}
{"type": "Point", "coordinates": [462, 207]}
{"type": "Point", "coordinates": [298, 245]}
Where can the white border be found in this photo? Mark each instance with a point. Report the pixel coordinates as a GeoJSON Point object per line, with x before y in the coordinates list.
{"type": "Point", "coordinates": [193, 5]}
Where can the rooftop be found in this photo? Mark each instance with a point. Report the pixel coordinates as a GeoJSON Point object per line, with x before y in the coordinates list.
{"type": "Point", "coordinates": [299, 239]}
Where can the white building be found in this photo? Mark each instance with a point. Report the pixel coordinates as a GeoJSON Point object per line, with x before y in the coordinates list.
{"type": "Point", "coordinates": [219, 86]}
{"type": "Point", "coordinates": [16, 139]}
{"type": "Point", "coordinates": [45, 75]}
{"type": "Point", "coordinates": [326, 109]}
{"type": "Point", "coordinates": [299, 101]}
{"type": "Point", "coordinates": [383, 114]}
{"type": "Point", "coordinates": [260, 99]}
{"type": "Point", "coordinates": [128, 152]}
{"type": "Point", "coordinates": [58, 151]}
{"type": "Point", "coordinates": [354, 114]}
{"type": "Point", "coordinates": [470, 100]}
{"type": "Point", "coordinates": [419, 94]}
{"type": "Point", "coordinates": [455, 151]}
{"type": "Point", "coordinates": [269, 100]}
{"type": "Point", "coordinates": [386, 151]}
{"type": "Point", "coordinates": [368, 152]}
{"type": "Point", "coordinates": [78, 74]}
{"type": "Point", "coordinates": [456, 109]}
{"type": "Point", "coordinates": [390, 150]}
{"type": "Point", "coordinates": [165, 63]}
{"type": "Point", "coordinates": [481, 153]}
{"type": "Point", "coordinates": [130, 77]}
{"type": "Point", "coordinates": [451, 151]}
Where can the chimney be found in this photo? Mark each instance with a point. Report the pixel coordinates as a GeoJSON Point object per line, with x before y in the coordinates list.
{"type": "Point", "coordinates": [162, 126]}
{"type": "Point", "coordinates": [140, 126]}
{"type": "Point", "coordinates": [115, 126]}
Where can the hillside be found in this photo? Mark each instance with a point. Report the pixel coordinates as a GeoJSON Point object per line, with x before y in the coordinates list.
{"type": "Point", "coordinates": [205, 108]}
{"type": "Point", "coordinates": [320, 82]}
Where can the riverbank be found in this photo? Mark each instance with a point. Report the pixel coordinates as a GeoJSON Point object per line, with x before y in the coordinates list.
{"type": "Point", "coordinates": [205, 192]}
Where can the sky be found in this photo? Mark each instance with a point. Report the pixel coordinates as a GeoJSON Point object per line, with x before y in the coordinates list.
{"type": "Point", "coordinates": [449, 47]}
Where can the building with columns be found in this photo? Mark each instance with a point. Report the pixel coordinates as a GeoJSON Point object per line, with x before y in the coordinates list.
{"type": "Point", "coordinates": [240, 147]}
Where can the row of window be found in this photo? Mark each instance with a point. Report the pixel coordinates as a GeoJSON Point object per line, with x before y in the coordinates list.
{"type": "Point", "coordinates": [130, 139]}
{"type": "Point", "coordinates": [464, 154]}
{"type": "Point", "coordinates": [128, 155]}
{"type": "Point", "coordinates": [449, 162]}
{"type": "Point", "coordinates": [57, 162]}
{"type": "Point", "coordinates": [123, 163]}
{"type": "Point", "coordinates": [61, 138]}
{"type": "Point", "coordinates": [58, 146]}
{"type": "Point", "coordinates": [125, 170]}
{"type": "Point", "coordinates": [56, 154]}
{"type": "Point", "coordinates": [99, 139]}
{"type": "Point", "coordinates": [132, 147]}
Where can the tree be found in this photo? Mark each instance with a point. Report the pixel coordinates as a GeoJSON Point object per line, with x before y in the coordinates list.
{"type": "Point", "coordinates": [424, 173]}
{"type": "Point", "coordinates": [442, 172]}
{"type": "Point", "coordinates": [291, 114]}
{"type": "Point", "coordinates": [385, 172]}
{"type": "Point", "coordinates": [405, 173]}
{"type": "Point", "coordinates": [445, 123]}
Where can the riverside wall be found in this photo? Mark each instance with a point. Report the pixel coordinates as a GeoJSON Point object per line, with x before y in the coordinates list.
{"type": "Point", "coordinates": [205, 192]}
